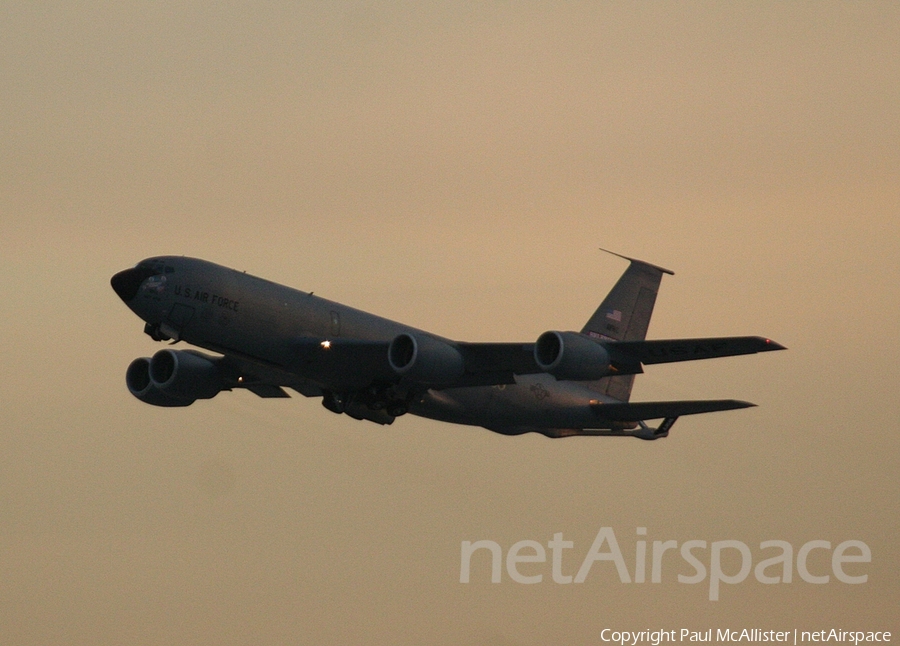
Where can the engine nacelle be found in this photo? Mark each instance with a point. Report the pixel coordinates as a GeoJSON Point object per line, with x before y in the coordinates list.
{"type": "Point", "coordinates": [185, 374]}
{"type": "Point", "coordinates": [137, 378]}
{"type": "Point", "coordinates": [571, 356]}
{"type": "Point", "coordinates": [174, 378]}
{"type": "Point", "coordinates": [424, 359]}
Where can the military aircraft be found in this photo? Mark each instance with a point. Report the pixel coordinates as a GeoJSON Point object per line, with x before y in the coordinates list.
{"type": "Point", "coordinates": [271, 337]}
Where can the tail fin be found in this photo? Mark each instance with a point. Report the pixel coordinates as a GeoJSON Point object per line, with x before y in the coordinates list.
{"type": "Point", "coordinates": [624, 315]}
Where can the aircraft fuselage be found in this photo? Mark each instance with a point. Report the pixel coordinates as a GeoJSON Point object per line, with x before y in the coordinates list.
{"type": "Point", "coordinates": [273, 336]}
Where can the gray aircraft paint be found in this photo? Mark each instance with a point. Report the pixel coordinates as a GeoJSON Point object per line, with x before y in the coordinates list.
{"type": "Point", "coordinates": [272, 337]}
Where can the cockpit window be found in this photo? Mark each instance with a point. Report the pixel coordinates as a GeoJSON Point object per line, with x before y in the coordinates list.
{"type": "Point", "coordinates": [155, 284]}
{"type": "Point", "coordinates": [127, 283]}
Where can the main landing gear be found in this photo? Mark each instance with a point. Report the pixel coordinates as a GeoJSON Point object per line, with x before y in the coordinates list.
{"type": "Point", "coordinates": [373, 399]}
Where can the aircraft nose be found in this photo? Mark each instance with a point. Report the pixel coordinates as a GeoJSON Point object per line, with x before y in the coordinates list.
{"type": "Point", "coordinates": [126, 283]}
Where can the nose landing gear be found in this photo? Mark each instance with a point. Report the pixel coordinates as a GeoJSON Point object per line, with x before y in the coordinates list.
{"type": "Point", "coordinates": [154, 332]}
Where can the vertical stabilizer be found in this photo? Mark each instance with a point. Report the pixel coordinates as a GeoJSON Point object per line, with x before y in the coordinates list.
{"type": "Point", "coordinates": [624, 315]}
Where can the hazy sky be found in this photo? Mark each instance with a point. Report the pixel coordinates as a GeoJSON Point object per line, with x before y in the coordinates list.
{"type": "Point", "coordinates": [454, 166]}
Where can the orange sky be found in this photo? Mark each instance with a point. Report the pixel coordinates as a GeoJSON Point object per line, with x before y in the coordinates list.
{"type": "Point", "coordinates": [455, 168]}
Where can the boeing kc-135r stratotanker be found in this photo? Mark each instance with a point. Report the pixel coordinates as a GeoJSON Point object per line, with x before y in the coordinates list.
{"type": "Point", "coordinates": [272, 337]}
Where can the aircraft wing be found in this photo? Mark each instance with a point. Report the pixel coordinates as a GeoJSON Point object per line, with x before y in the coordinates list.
{"type": "Point", "coordinates": [495, 363]}
{"type": "Point", "coordinates": [626, 354]}
{"type": "Point", "coordinates": [266, 390]}
{"type": "Point", "coordinates": [354, 363]}
{"type": "Point", "coordinates": [489, 364]}
{"type": "Point", "coordinates": [346, 364]}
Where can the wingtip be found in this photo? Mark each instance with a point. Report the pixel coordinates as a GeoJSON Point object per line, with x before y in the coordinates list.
{"type": "Point", "coordinates": [628, 258]}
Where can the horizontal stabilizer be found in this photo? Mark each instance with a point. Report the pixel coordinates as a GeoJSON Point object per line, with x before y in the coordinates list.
{"type": "Point", "coordinates": [627, 353]}
{"type": "Point", "coordinates": [637, 412]}
{"type": "Point", "coordinates": [639, 262]}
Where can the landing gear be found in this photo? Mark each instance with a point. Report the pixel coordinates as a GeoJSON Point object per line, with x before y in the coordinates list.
{"type": "Point", "coordinates": [154, 333]}
{"type": "Point", "coordinates": [334, 402]}
{"type": "Point", "coordinates": [372, 399]}
{"type": "Point", "coordinates": [397, 408]}
{"type": "Point", "coordinates": [385, 398]}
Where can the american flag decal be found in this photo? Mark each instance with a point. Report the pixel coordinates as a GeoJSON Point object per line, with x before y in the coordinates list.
{"type": "Point", "coordinates": [615, 315]}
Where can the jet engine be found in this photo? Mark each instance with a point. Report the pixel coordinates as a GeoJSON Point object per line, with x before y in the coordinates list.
{"type": "Point", "coordinates": [424, 359]}
{"type": "Point", "coordinates": [174, 378]}
{"type": "Point", "coordinates": [571, 356]}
